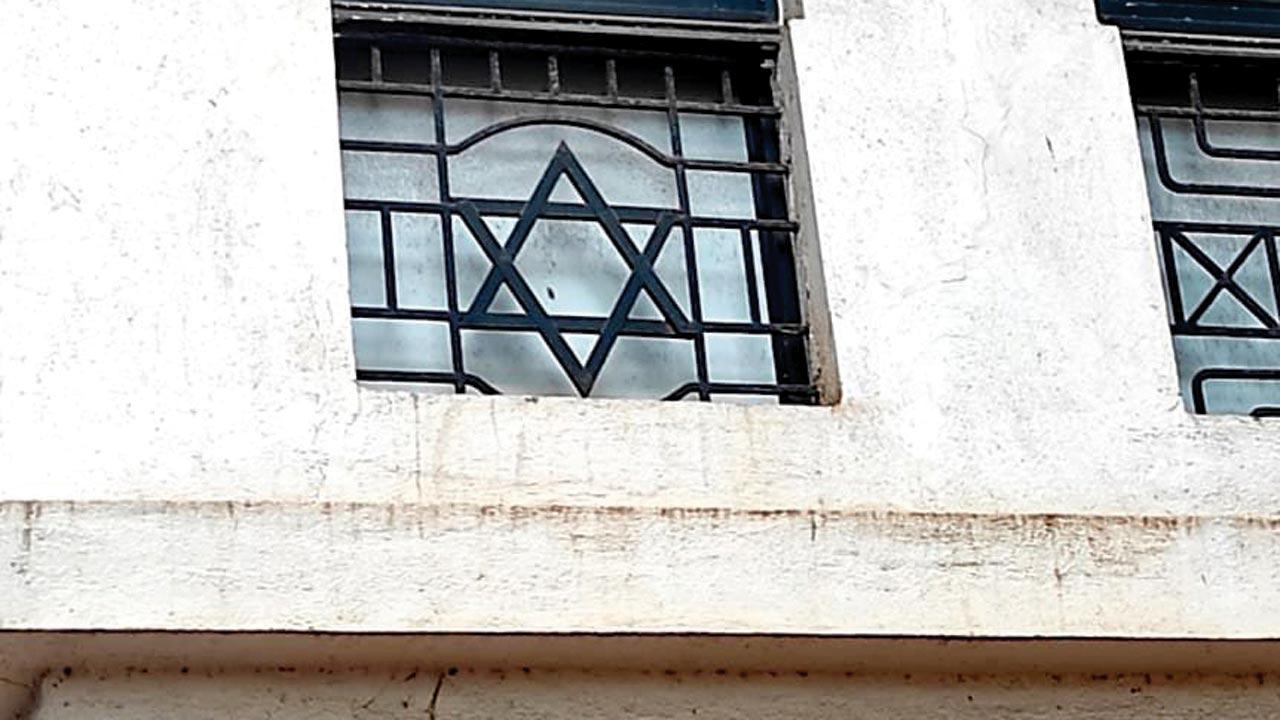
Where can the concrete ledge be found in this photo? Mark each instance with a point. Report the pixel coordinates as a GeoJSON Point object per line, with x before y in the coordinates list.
{"type": "Point", "coordinates": [460, 568]}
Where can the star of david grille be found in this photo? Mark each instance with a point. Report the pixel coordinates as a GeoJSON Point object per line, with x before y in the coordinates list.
{"type": "Point", "coordinates": [504, 270]}
{"type": "Point", "coordinates": [1209, 127]}
{"type": "Point", "coordinates": [660, 250]}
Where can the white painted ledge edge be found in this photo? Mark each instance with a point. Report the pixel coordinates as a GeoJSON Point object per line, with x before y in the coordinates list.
{"type": "Point", "coordinates": [467, 568]}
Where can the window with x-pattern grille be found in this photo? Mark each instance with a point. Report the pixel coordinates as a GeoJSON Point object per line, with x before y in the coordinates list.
{"type": "Point", "coordinates": [550, 215]}
{"type": "Point", "coordinates": [1208, 114]}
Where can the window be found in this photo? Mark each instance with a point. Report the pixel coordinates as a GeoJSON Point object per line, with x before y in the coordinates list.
{"type": "Point", "coordinates": [1208, 112]}
{"type": "Point", "coordinates": [551, 212]}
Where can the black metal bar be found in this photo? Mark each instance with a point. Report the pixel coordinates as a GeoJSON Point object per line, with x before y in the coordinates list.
{"type": "Point", "coordinates": [611, 78]}
{"type": "Point", "coordinates": [553, 75]}
{"type": "Point", "coordinates": [1172, 282]}
{"type": "Point", "coordinates": [777, 255]}
{"type": "Point", "coordinates": [563, 98]}
{"type": "Point", "coordinates": [782, 391]}
{"type": "Point", "coordinates": [566, 211]}
{"type": "Point", "coordinates": [1209, 374]}
{"type": "Point", "coordinates": [749, 269]}
{"type": "Point", "coordinates": [686, 229]}
{"type": "Point", "coordinates": [388, 260]}
{"type": "Point", "coordinates": [412, 376]}
{"type": "Point", "coordinates": [446, 224]}
{"type": "Point", "coordinates": [575, 323]}
{"type": "Point", "coordinates": [495, 74]}
{"type": "Point", "coordinates": [483, 134]}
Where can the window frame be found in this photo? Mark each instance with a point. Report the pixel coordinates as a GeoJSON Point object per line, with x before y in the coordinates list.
{"type": "Point", "coordinates": [771, 147]}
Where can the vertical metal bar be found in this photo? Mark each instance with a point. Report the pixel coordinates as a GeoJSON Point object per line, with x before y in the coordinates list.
{"type": "Point", "coordinates": [495, 71]}
{"type": "Point", "coordinates": [777, 253]}
{"type": "Point", "coordinates": [446, 221]}
{"type": "Point", "coordinates": [1273, 268]}
{"type": "Point", "coordinates": [389, 261]}
{"type": "Point", "coordinates": [726, 86]}
{"type": "Point", "coordinates": [611, 78]}
{"type": "Point", "coordinates": [686, 227]}
{"type": "Point", "coordinates": [1171, 279]}
{"type": "Point", "coordinates": [749, 266]}
{"type": "Point", "coordinates": [553, 74]}
{"type": "Point", "coordinates": [375, 63]}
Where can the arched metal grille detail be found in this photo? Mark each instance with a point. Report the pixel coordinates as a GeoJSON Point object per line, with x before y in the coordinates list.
{"type": "Point", "coordinates": [731, 85]}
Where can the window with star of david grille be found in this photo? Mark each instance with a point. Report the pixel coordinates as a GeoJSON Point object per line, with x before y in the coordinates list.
{"type": "Point", "coordinates": [544, 214]}
{"type": "Point", "coordinates": [1208, 112]}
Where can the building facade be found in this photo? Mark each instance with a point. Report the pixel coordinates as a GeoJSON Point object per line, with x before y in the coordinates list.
{"type": "Point", "coordinates": [970, 480]}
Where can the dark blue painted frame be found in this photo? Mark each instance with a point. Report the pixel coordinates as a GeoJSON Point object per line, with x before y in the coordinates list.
{"type": "Point", "coordinates": [1226, 17]}
{"type": "Point", "coordinates": [754, 11]}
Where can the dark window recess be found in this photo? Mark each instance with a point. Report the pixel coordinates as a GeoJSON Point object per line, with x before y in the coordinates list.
{"type": "Point", "coordinates": [1234, 17]}
{"type": "Point", "coordinates": [756, 11]}
{"type": "Point", "coordinates": [1209, 127]}
{"type": "Point", "coordinates": [531, 217]}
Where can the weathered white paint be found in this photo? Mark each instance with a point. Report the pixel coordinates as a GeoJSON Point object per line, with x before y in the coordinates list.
{"type": "Point", "coordinates": [471, 569]}
{"type": "Point", "coordinates": [173, 328]}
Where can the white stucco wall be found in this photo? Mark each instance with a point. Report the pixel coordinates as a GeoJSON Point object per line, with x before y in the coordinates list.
{"type": "Point", "coordinates": [184, 446]}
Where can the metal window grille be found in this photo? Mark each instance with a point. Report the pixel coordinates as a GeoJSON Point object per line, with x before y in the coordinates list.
{"type": "Point", "coordinates": [1208, 116]}
{"type": "Point", "coordinates": [448, 287]}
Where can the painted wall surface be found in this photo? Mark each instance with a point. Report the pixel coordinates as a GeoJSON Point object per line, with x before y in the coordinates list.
{"type": "Point", "coordinates": [184, 446]}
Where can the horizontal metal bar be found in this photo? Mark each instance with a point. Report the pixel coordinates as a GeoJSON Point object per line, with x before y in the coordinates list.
{"type": "Point", "coordinates": [1188, 329]}
{"type": "Point", "coordinates": [742, 389]}
{"type": "Point", "coordinates": [1202, 47]}
{"type": "Point", "coordinates": [566, 211]}
{"type": "Point", "coordinates": [1212, 227]}
{"type": "Point", "coordinates": [573, 323]}
{"type": "Point", "coordinates": [547, 98]}
{"type": "Point", "coordinates": [426, 377]}
{"type": "Point", "coordinates": [686, 163]}
{"type": "Point", "coordinates": [1215, 113]}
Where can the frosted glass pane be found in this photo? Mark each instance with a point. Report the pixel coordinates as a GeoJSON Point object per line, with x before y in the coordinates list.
{"type": "Point", "coordinates": [419, 251]}
{"type": "Point", "coordinates": [1187, 164]}
{"type": "Point", "coordinates": [722, 275]}
{"type": "Point", "coordinates": [623, 174]}
{"type": "Point", "coordinates": [402, 345]}
{"type": "Point", "coordinates": [721, 194]}
{"type": "Point", "coordinates": [713, 137]}
{"type": "Point", "coordinates": [364, 259]}
{"type": "Point", "coordinates": [515, 362]}
{"type": "Point", "coordinates": [389, 118]}
{"type": "Point", "coordinates": [740, 358]}
{"type": "Point", "coordinates": [646, 368]}
{"type": "Point", "coordinates": [389, 176]}
{"type": "Point", "coordinates": [573, 268]}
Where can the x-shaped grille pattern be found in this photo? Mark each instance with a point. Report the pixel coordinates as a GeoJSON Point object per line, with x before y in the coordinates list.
{"type": "Point", "coordinates": [1207, 126]}
{"type": "Point", "coordinates": [1224, 280]}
